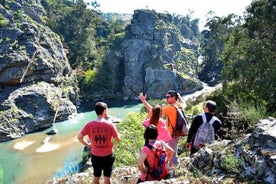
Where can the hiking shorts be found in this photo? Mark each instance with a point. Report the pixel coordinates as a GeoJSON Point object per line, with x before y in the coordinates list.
{"type": "Point", "coordinates": [102, 164]}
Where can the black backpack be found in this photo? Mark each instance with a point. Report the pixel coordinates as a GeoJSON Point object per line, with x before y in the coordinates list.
{"type": "Point", "coordinates": [182, 123]}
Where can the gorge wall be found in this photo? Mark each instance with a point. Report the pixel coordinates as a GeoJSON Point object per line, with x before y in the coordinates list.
{"type": "Point", "coordinates": [156, 56]}
{"type": "Point", "coordinates": [36, 81]}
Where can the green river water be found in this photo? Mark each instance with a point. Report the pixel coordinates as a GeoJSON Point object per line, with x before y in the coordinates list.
{"type": "Point", "coordinates": [31, 165]}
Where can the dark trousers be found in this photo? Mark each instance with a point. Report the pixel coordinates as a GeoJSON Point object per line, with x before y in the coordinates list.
{"type": "Point", "coordinates": [193, 150]}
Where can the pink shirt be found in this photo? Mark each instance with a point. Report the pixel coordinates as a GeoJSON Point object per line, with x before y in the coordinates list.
{"type": "Point", "coordinates": [163, 133]}
{"type": "Point", "coordinates": [100, 135]}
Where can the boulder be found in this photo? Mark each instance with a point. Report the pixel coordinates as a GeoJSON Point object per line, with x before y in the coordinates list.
{"type": "Point", "coordinates": [258, 152]}
{"type": "Point", "coordinates": [33, 108]}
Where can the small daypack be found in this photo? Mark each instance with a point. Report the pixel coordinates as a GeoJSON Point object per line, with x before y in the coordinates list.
{"type": "Point", "coordinates": [182, 123]}
{"type": "Point", "coordinates": [160, 170]}
{"type": "Point", "coordinates": [205, 133]}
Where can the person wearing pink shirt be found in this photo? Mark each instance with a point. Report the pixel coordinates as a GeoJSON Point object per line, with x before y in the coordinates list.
{"type": "Point", "coordinates": [156, 119]}
{"type": "Point", "coordinates": [100, 133]}
{"type": "Point", "coordinates": [150, 136]}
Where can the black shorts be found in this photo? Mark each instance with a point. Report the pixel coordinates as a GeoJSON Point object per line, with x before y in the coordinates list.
{"type": "Point", "coordinates": [102, 164]}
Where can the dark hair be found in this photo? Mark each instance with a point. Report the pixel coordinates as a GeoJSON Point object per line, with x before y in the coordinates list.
{"type": "Point", "coordinates": [173, 93]}
{"type": "Point", "coordinates": [100, 107]}
{"type": "Point", "coordinates": [155, 116]}
{"type": "Point", "coordinates": [211, 105]}
{"type": "Point", "coordinates": [150, 133]}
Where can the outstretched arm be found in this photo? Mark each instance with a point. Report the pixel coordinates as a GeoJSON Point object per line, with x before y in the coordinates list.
{"type": "Point", "coordinates": [143, 100]}
{"type": "Point", "coordinates": [182, 101]}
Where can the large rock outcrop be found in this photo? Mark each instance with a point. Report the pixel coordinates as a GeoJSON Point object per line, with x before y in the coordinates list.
{"type": "Point", "coordinates": [155, 57]}
{"type": "Point", "coordinates": [35, 76]}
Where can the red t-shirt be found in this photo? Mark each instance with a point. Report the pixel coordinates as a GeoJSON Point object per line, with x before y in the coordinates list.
{"type": "Point", "coordinates": [100, 135]}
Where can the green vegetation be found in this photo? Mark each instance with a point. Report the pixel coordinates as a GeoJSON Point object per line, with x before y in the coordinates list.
{"type": "Point", "coordinates": [132, 132]}
{"type": "Point", "coordinates": [249, 58]}
{"type": "Point", "coordinates": [244, 50]}
{"type": "Point", "coordinates": [18, 14]}
{"type": "Point", "coordinates": [87, 36]}
{"type": "Point", "coordinates": [3, 22]}
{"type": "Point", "coordinates": [231, 163]}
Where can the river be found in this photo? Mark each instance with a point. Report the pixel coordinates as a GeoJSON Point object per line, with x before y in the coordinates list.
{"type": "Point", "coordinates": [27, 160]}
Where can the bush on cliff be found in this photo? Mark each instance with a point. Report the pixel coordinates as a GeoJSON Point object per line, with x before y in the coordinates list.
{"type": "Point", "coordinates": [131, 131]}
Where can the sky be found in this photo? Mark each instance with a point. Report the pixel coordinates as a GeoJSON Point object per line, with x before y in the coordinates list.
{"type": "Point", "coordinates": [182, 7]}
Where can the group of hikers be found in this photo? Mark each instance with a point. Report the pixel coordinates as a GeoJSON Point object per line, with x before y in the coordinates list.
{"type": "Point", "coordinates": [161, 142]}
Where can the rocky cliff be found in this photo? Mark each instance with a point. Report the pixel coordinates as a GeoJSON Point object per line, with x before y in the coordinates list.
{"type": "Point", "coordinates": [156, 57]}
{"type": "Point", "coordinates": [36, 81]}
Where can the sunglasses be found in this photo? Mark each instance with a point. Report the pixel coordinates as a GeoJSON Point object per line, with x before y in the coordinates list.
{"type": "Point", "coordinates": [168, 96]}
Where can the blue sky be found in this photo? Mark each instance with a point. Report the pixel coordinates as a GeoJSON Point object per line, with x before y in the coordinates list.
{"type": "Point", "coordinates": [199, 7]}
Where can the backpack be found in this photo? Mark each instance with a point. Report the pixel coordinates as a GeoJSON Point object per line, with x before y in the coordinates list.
{"type": "Point", "coordinates": [160, 170]}
{"type": "Point", "coordinates": [205, 133]}
{"type": "Point", "coordinates": [182, 123]}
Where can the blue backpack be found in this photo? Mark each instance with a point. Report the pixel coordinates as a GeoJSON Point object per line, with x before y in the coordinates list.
{"type": "Point", "coordinates": [160, 170]}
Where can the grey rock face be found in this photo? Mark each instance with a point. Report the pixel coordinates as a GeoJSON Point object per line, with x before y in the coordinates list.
{"type": "Point", "coordinates": [33, 108]}
{"type": "Point", "coordinates": [260, 152]}
{"type": "Point", "coordinates": [154, 55]}
{"type": "Point", "coordinates": [33, 71]}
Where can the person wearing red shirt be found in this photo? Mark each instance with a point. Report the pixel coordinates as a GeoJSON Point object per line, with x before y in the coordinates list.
{"type": "Point", "coordinates": [100, 133]}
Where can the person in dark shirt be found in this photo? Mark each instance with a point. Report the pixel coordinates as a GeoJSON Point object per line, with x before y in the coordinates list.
{"type": "Point", "coordinates": [209, 108]}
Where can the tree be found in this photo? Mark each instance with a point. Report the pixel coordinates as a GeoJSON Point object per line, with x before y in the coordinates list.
{"type": "Point", "coordinates": [250, 56]}
{"type": "Point", "coordinates": [212, 46]}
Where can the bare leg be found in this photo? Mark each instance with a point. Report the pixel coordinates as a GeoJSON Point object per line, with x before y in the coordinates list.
{"type": "Point", "coordinates": [107, 180]}
{"type": "Point", "coordinates": [96, 180]}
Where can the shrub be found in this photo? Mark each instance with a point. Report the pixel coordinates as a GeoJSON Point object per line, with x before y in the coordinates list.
{"type": "Point", "coordinates": [231, 163]}
{"type": "Point", "coordinates": [250, 111]}
{"type": "Point", "coordinates": [127, 151]}
{"type": "Point", "coordinates": [3, 22]}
